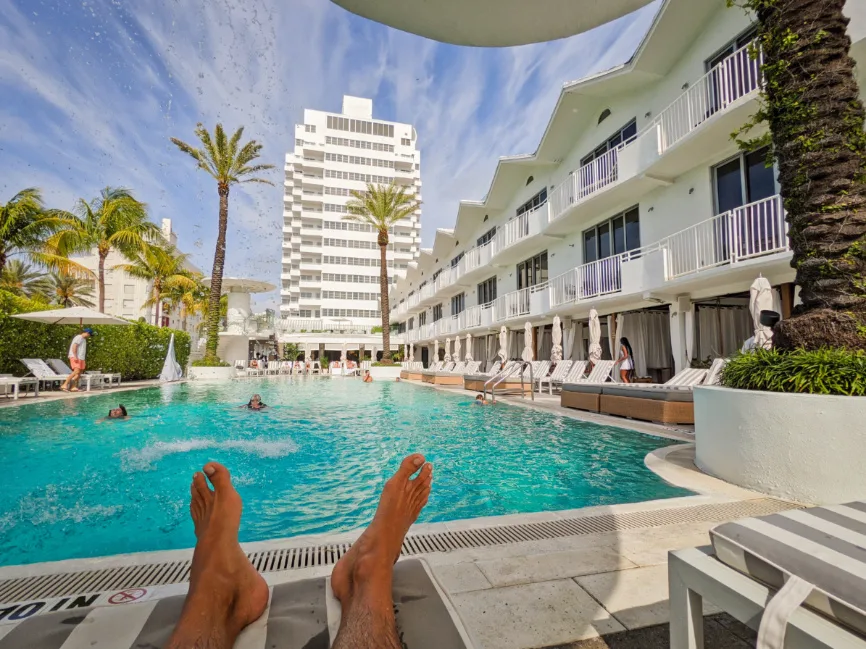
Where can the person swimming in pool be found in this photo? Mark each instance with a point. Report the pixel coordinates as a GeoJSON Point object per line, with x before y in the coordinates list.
{"type": "Point", "coordinates": [116, 413]}
{"type": "Point", "coordinates": [227, 594]}
{"type": "Point", "coordinates": [255, 403]}
{"type": "Point", "coordinates": [367, 377]}
{"type": "Point", "coordinates": [480, 400]}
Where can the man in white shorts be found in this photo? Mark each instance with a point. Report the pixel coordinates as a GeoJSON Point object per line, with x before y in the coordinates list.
{"type": "Point", "coordinates": [77, 354]}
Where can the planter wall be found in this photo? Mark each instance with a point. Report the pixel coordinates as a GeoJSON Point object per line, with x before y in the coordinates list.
{"type": "Point", "coordinates": [211, 373]}
{"type": "Point", "coordinates": [803, 447]}
{"type": "Point", "coordinates": [388, 373]}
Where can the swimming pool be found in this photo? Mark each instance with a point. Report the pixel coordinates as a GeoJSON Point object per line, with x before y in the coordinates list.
{"type": "Point", "coordinates": [312, 463]}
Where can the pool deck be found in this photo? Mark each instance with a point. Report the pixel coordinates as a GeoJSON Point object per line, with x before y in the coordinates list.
{"type": "Point", "coordinates": [46, 396]}
{"type": "Point", "coordinates": [586, 590]}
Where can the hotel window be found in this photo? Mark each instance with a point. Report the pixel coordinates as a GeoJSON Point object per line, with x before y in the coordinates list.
{"type": "Point", "coordinates": [532, 271]}
{"type": "Point", "coordinates": [536, 201]}
{"type": "Point", "coordinates": [626, 133]}
{"type": "Point", "coordinates": [614, 236]}
{"type": "Point", "coordinates": [487, 291]}
{"type": "Point", "coordinates": [405, 141]}
{"type": "Point", "coordinates": [487, 237]}
{"type": "Point", "coordinates": [437, 313]}
{"type": "Point", "coordinates": [456, 260]}
{"type": "Point", "coordinates": [458, 303]}
{"type": "Point", "coordinates": [744, 179]}
{"type": "Point", "coordinates": [743, 77]}
{"type": "Point", "coordinates": [411, 323]}
{"type": "Point", "coordinates": [422, 318]}
{"type": "Point", "coordinates": [309, 128]}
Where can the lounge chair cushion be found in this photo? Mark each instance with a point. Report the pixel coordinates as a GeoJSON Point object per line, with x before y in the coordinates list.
{"type": "Point", "coordinates": [656, 394]}
{"type": "Point", "coordinates": [584, 388]}
{"type": "Point", "coordinates": [825, 546]}
{"type": "Point", "coordinates": [302, 615]}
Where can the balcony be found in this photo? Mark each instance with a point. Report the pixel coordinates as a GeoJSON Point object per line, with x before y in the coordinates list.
{"type": "Point", "coordinates": [413, 300]}
{"type": "Point", "coordinates": [514, 239]}
{"type": "Point", "coordinates": [743, 234]}
{"type": "Point", "coordinates": [511, 305]}
{"type": "Point", "coordinates": [475, 263]}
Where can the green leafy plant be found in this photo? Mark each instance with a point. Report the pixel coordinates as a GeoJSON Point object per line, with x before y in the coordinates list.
{"type": "Point", "coordinates": [137, 350]}
{"type": "Point", "coordinates": [391, 364]}
{"type": "Point", "coordinates": [821, 371]}
{"type": "Point", "coordinates": [209, 362]}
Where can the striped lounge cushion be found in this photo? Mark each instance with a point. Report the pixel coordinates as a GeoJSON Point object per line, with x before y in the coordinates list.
{"type": "Point", "coordinates": [825, 546]}
{"type": "Point", "coordinates": [301, 615]}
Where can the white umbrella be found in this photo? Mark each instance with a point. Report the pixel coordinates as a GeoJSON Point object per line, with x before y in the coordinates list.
{"type": "Point", "coordinates": [456, 349]}
{"type": "Point", "coordinates": [343, 354]}
{"type": "Point", "coordinates": [556, 352]}
{"type": "Point", "coordinates": [76, 315]}
{"type": "Point", "coordinates": [761, 299]}
{"type": "Point", "coordinates": [171, 369]}
{"type": "Point", "coordinates": [527, 342]}
{"type": "Point", "coordinates": [469, 348]}
{"type": "Point", "coordinates": [447, 350]}
{"type": "Point", "coordinates": [594, 337]}
{"type": "Point", "coordinates": [503, 344]}
{"type": "Point", "coordinates": [435, 351]}
{"type": "Point", "coordinates": [412, 353]}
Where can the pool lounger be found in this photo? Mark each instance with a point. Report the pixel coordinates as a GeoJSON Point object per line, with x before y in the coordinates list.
{"type": "Point", "coordinates": [454, 377]}
{"type": "Point", "coordinates": [301, 615]}
{"type": "Point", "coordinates": [798, 578]}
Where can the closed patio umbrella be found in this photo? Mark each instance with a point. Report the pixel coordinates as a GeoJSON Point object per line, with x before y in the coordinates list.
{"type": "Point", "coordinates": [457, 349]}
{"type": "Point", "coordinates": [761, 299]}
{"type": "Point", "coordinates": [412, 353]}
{"type": "Point", "coordinates": [503, 344]}
{"type": "Point", "coordinates": [527, 353]}
{"type": "Point", "coordinates": [171, 369]}
{"type": "Point", "coordinates": [435, 351]}
{"type": "Point", "coordinates": [594, 337]}
{"type": "Point", "coordinates": [556, 351]}
{"type": "Point", "coordinates": [469, 358]}
{"type": "Point", "coordinates": [343, 354]}
{"type": "Point", "coordinates": [447, 350]}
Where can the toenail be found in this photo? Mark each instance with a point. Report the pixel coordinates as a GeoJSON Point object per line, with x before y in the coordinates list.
{"type": "Point", "coordinates": [209, 470]}
{"type": "Point", "coordinates": [418, 461]}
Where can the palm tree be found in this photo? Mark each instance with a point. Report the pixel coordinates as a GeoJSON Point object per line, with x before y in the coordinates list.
{"type": "Point", "coordinates": [228, 163]}
{"type": "Point", "coordinates": [816, 118]}
{"type": "Point", "coordinates": [189, 299]}
{"type": "Point", "coordinates": [25, 225]}
{"type": "Point", "coordinates": [115, 220]}
{"type": "Point", "coordinates": [381, 207]}
{"type": "Point", "coordinates": [69, 290]}
{"type": "Point", "coordinates": [164, 268]}
{"type": "Point", "coordinates": [23, 280]}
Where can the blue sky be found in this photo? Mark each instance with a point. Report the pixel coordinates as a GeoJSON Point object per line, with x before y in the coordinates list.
{"type": "Point", "coordinates": [93, 89]}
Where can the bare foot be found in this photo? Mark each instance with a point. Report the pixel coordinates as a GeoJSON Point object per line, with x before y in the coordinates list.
{"type": "Point", "coordinates": [226, 592]}
{"type": "Point", "coordinates": [378, 548]}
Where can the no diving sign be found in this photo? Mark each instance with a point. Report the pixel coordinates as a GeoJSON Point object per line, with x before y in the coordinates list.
{"type": "Point", "coordinates": [14, 613]}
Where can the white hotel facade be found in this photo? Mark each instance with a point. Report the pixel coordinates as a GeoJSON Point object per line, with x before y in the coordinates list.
{"type": "Point", "coordinates": [330, 267]}
{"type": "Point", "coordinates": [636, 203]}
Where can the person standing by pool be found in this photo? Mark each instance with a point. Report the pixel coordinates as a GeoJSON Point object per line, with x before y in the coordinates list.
{"type": "Point", "coordinates": [77, 354]}
{"type": "Point", "coordinates": [227, 594]}
{"type": "Point", "coordinates": [626, 360]}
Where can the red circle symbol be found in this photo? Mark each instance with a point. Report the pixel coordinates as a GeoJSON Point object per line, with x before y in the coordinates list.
{"type": "Point", "coordinates": [127, 596]}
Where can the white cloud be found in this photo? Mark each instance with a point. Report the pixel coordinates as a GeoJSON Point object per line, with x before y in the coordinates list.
{"type": "Point", "coordinates": [100, 91]}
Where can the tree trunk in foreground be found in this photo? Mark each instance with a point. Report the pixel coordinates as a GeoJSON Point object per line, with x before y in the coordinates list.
{"type": "Point", "coordinates": [157, 293]}
{"type": "Point", "coordinates": [101, 280]}
{"type": "Point", "coordinates": [383, 293]}
{"type": "Point", "coordinates": [816, 120]}
{"type": "Point", "coordinates": [216, 278]}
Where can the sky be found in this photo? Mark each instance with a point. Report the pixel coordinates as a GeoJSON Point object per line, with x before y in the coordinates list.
{"type": "Point", "coordinates": [93, 90]}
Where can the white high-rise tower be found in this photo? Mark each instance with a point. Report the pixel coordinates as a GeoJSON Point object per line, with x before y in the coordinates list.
{"type": "Point", "coordinates": [331, 266]}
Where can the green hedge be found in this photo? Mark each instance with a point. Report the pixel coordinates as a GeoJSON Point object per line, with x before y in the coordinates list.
{"type": "Point", "coordinates": [137, 350]}
{"type": "Point", "coordinates": [824, 371]}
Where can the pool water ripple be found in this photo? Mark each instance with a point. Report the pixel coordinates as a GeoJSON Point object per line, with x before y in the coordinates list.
{"type": "Point", "coordinates": [313, 462]}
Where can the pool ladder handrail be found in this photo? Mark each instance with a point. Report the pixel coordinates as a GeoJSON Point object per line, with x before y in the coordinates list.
{"type": "Point", "coordinates": [499, 378]}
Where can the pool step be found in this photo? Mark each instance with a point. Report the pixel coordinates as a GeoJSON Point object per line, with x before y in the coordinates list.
{"type": "Point", "coordinates": [296, 557]}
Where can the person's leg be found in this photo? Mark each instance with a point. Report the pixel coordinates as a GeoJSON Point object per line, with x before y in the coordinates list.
{"type": "Point", "coordinates": [362, 578]}
{"type": "Point", "coordinates": [623, 375]}
{"type": "Point", "coordinates": [65, 385]}
{"type": "Point", "coordinates": [226, 593]}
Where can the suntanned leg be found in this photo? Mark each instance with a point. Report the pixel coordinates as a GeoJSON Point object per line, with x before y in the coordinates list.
{"type": "Point", "coordinates": [362, 578]}
{"type": "Point", "coordinates": [226, 593]}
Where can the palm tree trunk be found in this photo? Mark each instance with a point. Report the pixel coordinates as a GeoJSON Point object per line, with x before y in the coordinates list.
{"type": "Point", "coordinates": [816, 120]}
{"type": "Point", "coordinates": [383, 291]}
{"type": "Point", "coordinates": [157, 292]}
{"type": "Point", "coordinates": [101, 282]}
{"type": "Point", "coordinates": [216, 278]}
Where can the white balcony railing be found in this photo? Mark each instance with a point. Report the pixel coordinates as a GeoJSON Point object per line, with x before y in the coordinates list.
{"type": "Point", "coordinates": [586, 181]}
{"type": "Point", "coordinates": [734, 78]}
{"type": "Point", "coordinates": [511, 305]}
{"type": "Point", "coordinates": [521, 227]}
{"type": "Point", "coordinates": [471, 317]}
{"type": "Point", "coordinates": [413, 300]}
{"type": "Point", "coordinates": [427, 291]}
{"type": "Point", "coordinates": [475, 258]}
{"type": "Point", "coordinates": [443, 280]}
{"type": "Point", "coordinates": [750, 231]}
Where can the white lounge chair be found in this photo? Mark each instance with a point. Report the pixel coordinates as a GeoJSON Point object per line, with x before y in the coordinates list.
{"type": "Point", "coordinates": [686, 380]}
{"type": "Point", "coordinates": [797, 577]}
{"type": "Point", "coordinates": [714, 374]}
{"type": "Point", "coordinates": [539, 368]}
{"type": "Point", "coordinates": [15, 383]}
{"type": "Point", "coordinates": [61, 368]}
{"type": "Point", "coordinates": [600, 373]}
{"type": "Point", "coordinates": [436, 367]}
{"type": "Point", "coordinates": [46, 376]}
{"type": "Point", "coordinates": [561, 372]}
{"type": "Point", "coordinates": [241, 368]}
{"type": "Point", "coordinates": [315, 368]}
{"type": "Point", "coordinates": [286, 367]}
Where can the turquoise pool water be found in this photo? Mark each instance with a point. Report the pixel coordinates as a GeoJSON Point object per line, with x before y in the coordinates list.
{"type": "Point", "coordinates": [312, 463]}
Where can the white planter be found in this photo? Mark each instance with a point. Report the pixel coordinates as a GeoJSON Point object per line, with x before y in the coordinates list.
{"type": "Point", "coordinates": [803, 447]}
{"type": "Point", "coordinates": [385, 373]}
{"type": "Point", "coordinates": [211, 373]}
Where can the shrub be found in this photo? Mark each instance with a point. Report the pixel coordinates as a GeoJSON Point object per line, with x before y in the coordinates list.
{"type": "Point", "coordinates": [384, 364]}
{"type": "Point", "coordinates": [209, 362]}
{"type": "Point", "coordinates": [137, 350]}
{"type": "Point", "coordinates": [823, 371]}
